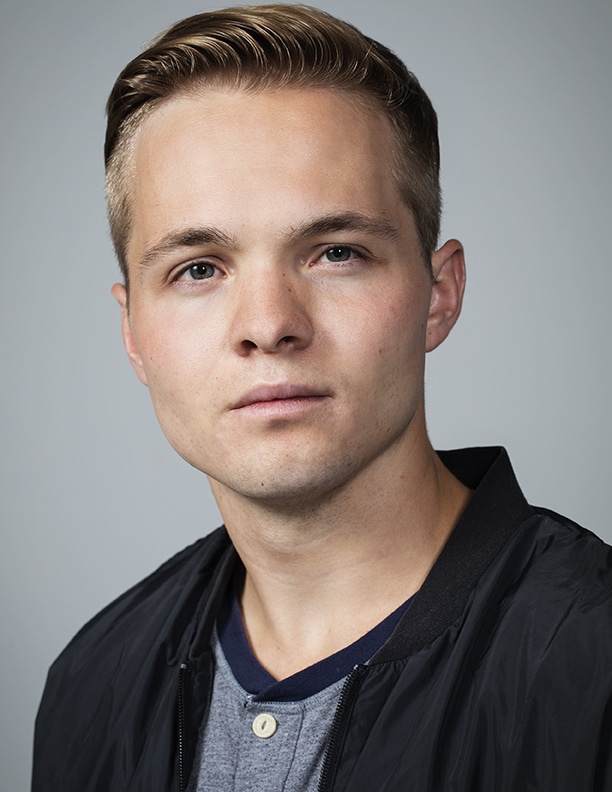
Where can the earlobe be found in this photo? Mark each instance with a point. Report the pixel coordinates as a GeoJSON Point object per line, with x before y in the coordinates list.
{"type": "Point", "coordinates": [119, 293]}
{"type": "Point", "coordinates": [448, 265]}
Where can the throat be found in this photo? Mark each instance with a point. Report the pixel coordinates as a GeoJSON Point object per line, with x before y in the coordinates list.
{"type": "Point", "coordinates": [273, 678]}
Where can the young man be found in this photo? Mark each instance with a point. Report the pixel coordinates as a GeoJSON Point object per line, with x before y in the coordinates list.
{"type": "Point", "coordinates": [374, 615]}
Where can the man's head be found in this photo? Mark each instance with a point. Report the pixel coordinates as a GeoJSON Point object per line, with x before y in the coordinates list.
{"type": "Point", "coordinates": [272, 47]}
{"type": "Point", "coordinates": [279, 307]}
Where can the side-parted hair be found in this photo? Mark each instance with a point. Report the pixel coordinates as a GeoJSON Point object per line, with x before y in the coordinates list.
{"type": "Point", "coordinates": [254, 48]}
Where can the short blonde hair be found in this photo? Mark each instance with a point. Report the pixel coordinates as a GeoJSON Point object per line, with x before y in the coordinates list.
{"type": "Point", "coordinates": [276, 46]}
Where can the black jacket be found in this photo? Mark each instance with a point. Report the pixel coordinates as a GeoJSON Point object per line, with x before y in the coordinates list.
{"type": "Point", "coordinates": [497, 679]}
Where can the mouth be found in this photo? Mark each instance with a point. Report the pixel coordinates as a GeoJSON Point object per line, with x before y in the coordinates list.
{"type": "Point", "coordinates": [280, 398]}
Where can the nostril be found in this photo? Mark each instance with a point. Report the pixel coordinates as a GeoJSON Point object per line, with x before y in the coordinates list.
{"type": "Point", "coordinates": [268, 325]}
{"type": "Point", "coordinates": [285, 341]}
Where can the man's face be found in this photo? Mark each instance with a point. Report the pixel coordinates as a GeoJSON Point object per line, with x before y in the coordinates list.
{"type": "Point", "coordinates": [279, 306]}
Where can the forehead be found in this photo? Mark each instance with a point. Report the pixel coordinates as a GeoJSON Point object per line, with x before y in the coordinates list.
{"type": "Point", "coordinates": [289, 100]}
{"type": "Point", "coordinates": [251, 158]}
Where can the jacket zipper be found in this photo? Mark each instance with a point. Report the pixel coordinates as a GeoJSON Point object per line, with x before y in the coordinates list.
{"type": "Point", "coordinates": [183, 670]}
{"type": "Point", "coordinates": [345, 701]}
{"type": "Point", "coordinates": [338, 729]}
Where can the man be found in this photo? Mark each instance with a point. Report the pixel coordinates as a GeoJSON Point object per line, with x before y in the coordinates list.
{"type": "Point", "coordinates": [374, 615]}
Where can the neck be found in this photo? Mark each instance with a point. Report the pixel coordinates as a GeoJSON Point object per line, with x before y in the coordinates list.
{"type": "Point", "coordinates": [320, 575]}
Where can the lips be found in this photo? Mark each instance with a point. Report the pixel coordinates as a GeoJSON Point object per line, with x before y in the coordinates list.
{"type": "Point", "coordinates": [283, 392]}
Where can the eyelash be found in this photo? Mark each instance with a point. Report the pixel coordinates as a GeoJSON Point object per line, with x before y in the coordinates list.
{"type": "Point", "coordinates": [196, 263]}
{"type": "Point", "coordinates": [354, 255]}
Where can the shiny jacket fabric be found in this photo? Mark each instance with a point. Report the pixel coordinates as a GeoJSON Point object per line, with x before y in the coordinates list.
{"type": "Point", "coordinates": [497, 679]}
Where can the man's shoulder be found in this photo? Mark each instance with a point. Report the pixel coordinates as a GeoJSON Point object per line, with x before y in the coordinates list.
{"type": "Point", "coordinates": [163, 602]}
{"type": "Point", "coordinates": [550, 629]}
{"type": "Point", "coordinates": [565, 567]}
{"type": "Point", "coordinates": [119, 673]}
{"type": "Point", "coordinates": [544, 609]}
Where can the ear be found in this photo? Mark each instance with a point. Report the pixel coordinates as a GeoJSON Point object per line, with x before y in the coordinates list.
{"type": "Point", "coordinates": [448, 266]}
{"type": "Point", "coordinates": [119, 293]}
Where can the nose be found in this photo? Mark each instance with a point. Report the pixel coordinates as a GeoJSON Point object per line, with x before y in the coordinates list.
{"type": "Point", "coordinates": [271, 314]}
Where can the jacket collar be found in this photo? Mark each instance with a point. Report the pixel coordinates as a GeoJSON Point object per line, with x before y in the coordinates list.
{"type": "Point", "coordinates": [495, 512]}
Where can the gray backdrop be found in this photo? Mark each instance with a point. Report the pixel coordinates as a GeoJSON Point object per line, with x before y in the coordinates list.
{"type": "Point", "coordinates": [92, 497]}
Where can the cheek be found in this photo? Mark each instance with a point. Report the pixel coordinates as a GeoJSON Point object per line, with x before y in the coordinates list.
{"type": "Point", "coordinates": [177, 358]}
{"type": "Point", "coordinates": [398, 328]}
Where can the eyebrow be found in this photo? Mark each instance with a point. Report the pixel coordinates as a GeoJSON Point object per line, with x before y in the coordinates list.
{"type": "Point", "coordinates": [345, 221]}
{"type": "Point", "coordinates": [320, 226]}
{"type": "Point", "coordinates": [185, 238]}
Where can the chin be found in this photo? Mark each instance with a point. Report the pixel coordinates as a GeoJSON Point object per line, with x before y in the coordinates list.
{"type": "Point", "coordinates": [288, 489]}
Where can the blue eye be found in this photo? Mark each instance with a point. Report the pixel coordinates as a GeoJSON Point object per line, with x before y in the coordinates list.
{"type": "Point", "coordinates": [339, 253]}
{"type": "Point", "coordinates": [201, 270]}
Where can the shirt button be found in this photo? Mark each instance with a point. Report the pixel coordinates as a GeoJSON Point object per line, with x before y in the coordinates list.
{"type": "Point", "coordinates": [264, 725]}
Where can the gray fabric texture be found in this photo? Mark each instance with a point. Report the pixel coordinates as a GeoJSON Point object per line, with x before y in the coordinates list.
{"type": "Point", "coordinates": [234, 759]}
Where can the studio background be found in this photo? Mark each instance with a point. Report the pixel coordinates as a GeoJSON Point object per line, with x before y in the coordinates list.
{"type": "Point", "coordinates": [92, 497]}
